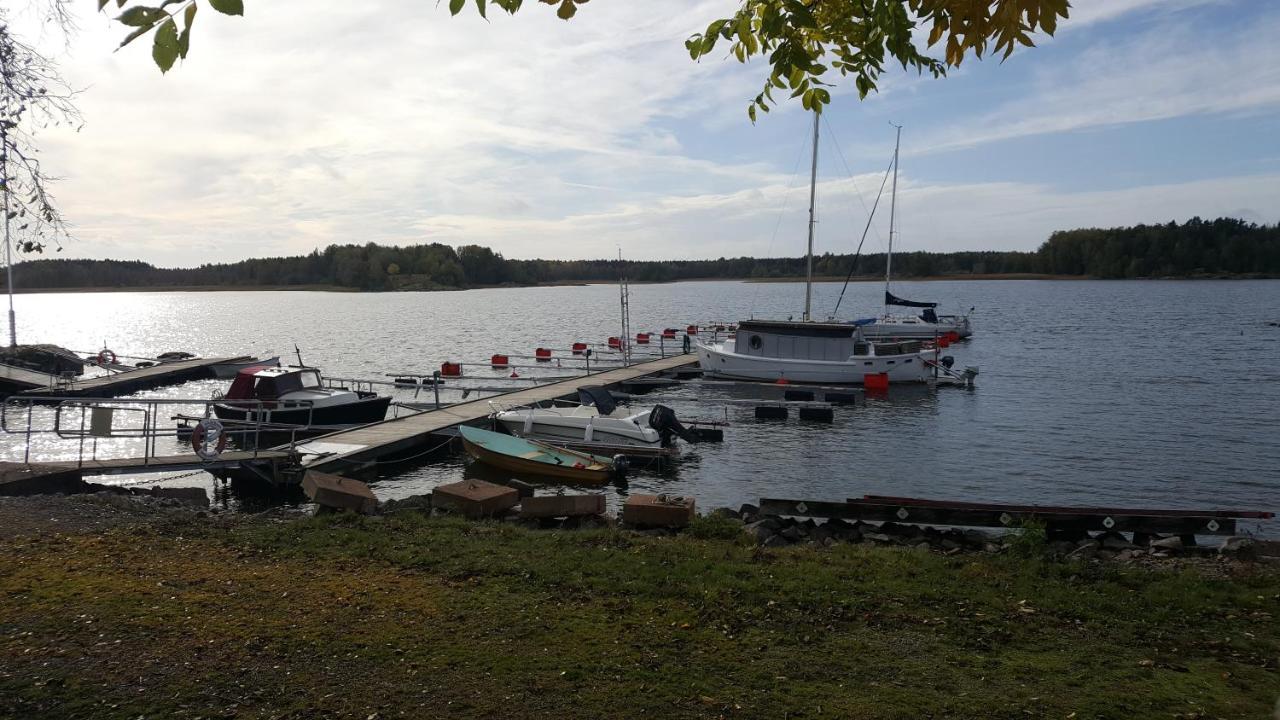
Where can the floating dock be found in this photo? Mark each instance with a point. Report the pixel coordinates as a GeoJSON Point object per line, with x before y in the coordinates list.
{"type": "Point", "coordinates": [359, 448]}
{"type": "Point", "coordinates": [170, 373]}
{"type": "Point", "coordinates": [164, 463]}
{"type": "Point", "coordinates": [15, 379]}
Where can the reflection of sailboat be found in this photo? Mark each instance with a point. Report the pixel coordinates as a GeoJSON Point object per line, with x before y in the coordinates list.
{"type": "Point", "coordinates": [928, 324]}
{"type": "Point", "coordinates": [807, 351]}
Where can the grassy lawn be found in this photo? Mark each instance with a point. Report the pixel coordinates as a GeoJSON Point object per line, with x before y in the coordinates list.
{"type": "Point", "coordinates": [415, 617]}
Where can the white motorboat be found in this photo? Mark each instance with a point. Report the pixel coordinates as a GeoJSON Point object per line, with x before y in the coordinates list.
{"type": "Point", "coordinates": [597, 419]}
{"type": "Point", "coordinates": [812, 352]}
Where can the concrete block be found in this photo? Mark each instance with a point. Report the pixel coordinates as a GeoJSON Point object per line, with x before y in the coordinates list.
{"type": "Point", "coordinates": [549, 506]}
{"type": "Point", "coordinates": [23, 479]}
{"type": "Point", "coordinates": [475, 498]}
{"type": "Point", "coordinates": [334, 491]}
{"type": "Point", "coordinates": [658, 511]}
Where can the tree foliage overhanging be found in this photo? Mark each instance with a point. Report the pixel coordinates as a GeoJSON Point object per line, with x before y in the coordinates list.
{"type": "Point", "coordinates": [1197, 248]}
{"type": "Point", "coordinates": [802, 40]}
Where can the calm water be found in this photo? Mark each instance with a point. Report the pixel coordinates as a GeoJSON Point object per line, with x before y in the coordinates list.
{"type": "Point", "coordinates": [1158, 393]}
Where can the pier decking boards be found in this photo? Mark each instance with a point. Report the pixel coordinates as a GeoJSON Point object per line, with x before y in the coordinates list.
{"type": "Point", "coordinates": [164, 463]}
{"type": "Point", "coordinates": [16, 379]}
{"type": "Point", "coordinates": [169, 373]}
{"type": "Point", "coordinates": [357, 448]}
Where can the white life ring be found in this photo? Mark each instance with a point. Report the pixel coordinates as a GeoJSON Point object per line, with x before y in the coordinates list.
{"type": "Point", "coordinates": [209, 439]}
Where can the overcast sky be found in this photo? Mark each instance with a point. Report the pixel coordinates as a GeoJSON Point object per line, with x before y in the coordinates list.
{"type": "Point", "coordinates": [313, 122]}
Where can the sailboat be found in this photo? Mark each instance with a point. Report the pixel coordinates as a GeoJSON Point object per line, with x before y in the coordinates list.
{"type": "Point", "coordinates": [808, 351]}
{"type": "Point", "coordinates": [928, 324]}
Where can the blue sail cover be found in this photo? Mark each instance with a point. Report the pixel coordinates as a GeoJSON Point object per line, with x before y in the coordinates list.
{"type": "Point", "coordinates": [891, 299]}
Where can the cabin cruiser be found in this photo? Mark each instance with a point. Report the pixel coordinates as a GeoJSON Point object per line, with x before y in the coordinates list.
{"type": "Point", "coordinates": [811, 352]}
{"type": "Point", "coordinates": [296, 396]}
{"type": "Point", "coordinates": [597, 420]}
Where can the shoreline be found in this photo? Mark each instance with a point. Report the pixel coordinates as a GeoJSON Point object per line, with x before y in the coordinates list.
{"type": "Point", "coordinates": [584, 283]}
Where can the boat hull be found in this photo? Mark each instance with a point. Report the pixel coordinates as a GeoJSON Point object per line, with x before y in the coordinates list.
{"type": "Point", "coordinates": [533, 458]}
{"type": "Point", "coordinates": [360, 412]}
{"type": "Point", "coordinates": [717, 362]}
{"type": "Point", "coordinates": [572, 429]}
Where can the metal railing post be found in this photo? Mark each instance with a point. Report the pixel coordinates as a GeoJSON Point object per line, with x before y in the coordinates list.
{"type": "Point", "coordinates": [435, 376]}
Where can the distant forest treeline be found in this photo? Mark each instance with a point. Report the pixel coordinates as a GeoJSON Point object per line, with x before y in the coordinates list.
{"type": "Point", "coordinates": [1197, 247]}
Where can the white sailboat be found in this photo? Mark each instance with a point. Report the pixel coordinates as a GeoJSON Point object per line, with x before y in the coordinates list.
{"type": "Point", "coordinates": [928, 324]}
{"type": "Point", "coordinates": [808, 351]}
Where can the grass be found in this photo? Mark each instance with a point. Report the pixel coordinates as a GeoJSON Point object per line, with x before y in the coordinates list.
{"type": "Point", "coordinates": [413, 617]}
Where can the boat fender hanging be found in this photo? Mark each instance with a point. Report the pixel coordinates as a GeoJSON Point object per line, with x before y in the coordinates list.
{"type": "Point", "coordinates": [528, 423]}
{"type": "Point", "coordinates": [106, 357]}
{"type": "Point", "coordinates": [589, 433]}
{"type": "Point", "coordinates": [208, 438]}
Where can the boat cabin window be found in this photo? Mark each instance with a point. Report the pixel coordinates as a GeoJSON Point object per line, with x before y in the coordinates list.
{"type": "Point", "coordinates": [310, 379]}
{"type": "Point", "coordinates": [756, 342]}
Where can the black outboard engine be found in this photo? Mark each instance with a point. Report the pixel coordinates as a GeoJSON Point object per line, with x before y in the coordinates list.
{"type": "Point", "coordinates": [948, 361]}
{"type": "Point", "coordinates": [663, 419]}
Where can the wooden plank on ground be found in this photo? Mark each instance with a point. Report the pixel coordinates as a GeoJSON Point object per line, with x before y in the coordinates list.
{"type": "Point", "coordinates": [1184, 524]}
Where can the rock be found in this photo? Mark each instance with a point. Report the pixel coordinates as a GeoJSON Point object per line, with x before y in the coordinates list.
{"type": "Point", "coordinates": [1105, 554]}
{"type": "Point", "coordinates": [1241, 547]}
{"type": "Point", "coordinates": [413, 503]}
{"type": "Point", "coordinates": [877, 537]}
{"type": "Point", "coordinates": [949, 545]}
{"type": "Point", "coordinates": [923, 545]}
{"type": "Point", "coordinates": [775, 541]}
{"type": "Point", "coordinates": [835, 525]}
{"type": "Point", "coordinates": [1086, 550]}
{"type": "Point", "coordinates": [1115, 541]}
{"type": "Point", "coordinates": [749, 512]}
{"type": "Point", "coordinates": [992, 547]}
{"type": "Point", "coordinates": [820, 533]}
{"type": "Point", "coordinates": [1173, 542]}
{"type": "Point", "coordinates": [1061, 547]}
{"type": "Point", "coordinates": [792, 533]}
{"type": "Point", "coordinates": [760, 531]}
{"type": "Point", "coordinates": [725, 512]}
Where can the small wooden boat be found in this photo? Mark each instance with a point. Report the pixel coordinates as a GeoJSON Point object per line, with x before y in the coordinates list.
{"type": "Point", "coordinates": [533, 457]}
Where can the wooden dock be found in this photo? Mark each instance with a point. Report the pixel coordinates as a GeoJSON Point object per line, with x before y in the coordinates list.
{"type": "Point", "coordinates": [16, 379]}
{"type": "Point", "coordinates": [165, 463]}
{"type": "Point", "coordinates": [357, 449]}
{"type": "Point", "coordinates": [170, 373]}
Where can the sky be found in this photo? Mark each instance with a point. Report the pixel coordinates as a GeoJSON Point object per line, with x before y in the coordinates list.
{"type": "Point", "coordinates": [307, 123]}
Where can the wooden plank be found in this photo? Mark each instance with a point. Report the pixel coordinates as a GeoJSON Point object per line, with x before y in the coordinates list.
{"type": "Point", "coordinates": [391, 436]}
{"type": "Point", "coordinates": [924, 502]}
{"type": "Point", "coordinates": [1186, 524]}
{"type": "Point", "coordinates": [163, 463]}
{"type": "Point", "coordinates": [131, 380]}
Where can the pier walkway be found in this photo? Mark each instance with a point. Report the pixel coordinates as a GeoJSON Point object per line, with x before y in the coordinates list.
{"type": "Point", "coordinates": [170, 373]}
{"type": "Point", "coordinates": [16, 379]}
{"type": "Point", "coordinates": [164, 463]}
{"type": "Point", "coordinates": [359, 448]}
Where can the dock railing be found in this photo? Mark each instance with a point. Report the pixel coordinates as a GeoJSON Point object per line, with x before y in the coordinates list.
{"type": "Point", "coordinates": [90, 419]}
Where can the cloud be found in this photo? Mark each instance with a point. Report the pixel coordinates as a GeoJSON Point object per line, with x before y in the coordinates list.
{"type": "Point", "coordinates": [1171, 70]}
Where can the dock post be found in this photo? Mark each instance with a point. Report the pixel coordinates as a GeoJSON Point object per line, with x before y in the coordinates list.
{"type": "Point", "coordinates": [662, 345]}
{"type": "Point", "coordinates": [587, 354]}
{"type": "Point", "coordinates": [436, 386]}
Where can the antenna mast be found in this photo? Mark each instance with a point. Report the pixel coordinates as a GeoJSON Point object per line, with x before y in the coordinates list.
{"type": "Point", "coordinates": [813, 194]}
{"type": "Point", "coordinates": [893, 206]}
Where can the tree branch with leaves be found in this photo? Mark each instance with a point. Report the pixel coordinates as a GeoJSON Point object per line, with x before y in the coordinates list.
{"type": "Point", "coordinates": [33, 97]}
{"type": "Point", "coordinates": [805, 42]}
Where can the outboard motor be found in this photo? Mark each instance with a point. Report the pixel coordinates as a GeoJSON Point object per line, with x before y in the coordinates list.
{"type": "Point", "coordinates": [663, 419]}
{"type": "Point", "coordinates": [948, 361]}
{"type": "Point", "coordinates": [621, 463]}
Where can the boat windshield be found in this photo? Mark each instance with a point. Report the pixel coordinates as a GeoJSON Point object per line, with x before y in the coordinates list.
{"type": "Point", "coordinates": [310, 379]}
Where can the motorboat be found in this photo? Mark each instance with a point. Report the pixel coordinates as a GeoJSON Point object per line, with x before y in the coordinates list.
{"type": "Point", "coordinates": [532, 457]}
{"type": "Point", "coordinates": [595, 419]}
{"type": "Point", "coordinates": [296, 396]}
{"type": "Point", "coordinates": [812, 352]}
{"type": "Point", "coordinates": [830, 352]}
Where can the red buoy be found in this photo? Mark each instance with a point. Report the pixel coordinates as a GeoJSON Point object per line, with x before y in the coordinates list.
{"type": "Point", "coordinates": [691, 330]}
{"type": "Point", "coordinates": [642, 338]}
{"type": "Point", "coordinates": [669, 333]}
{"type": "Point", "coordinates": [499, 361]}
{"type": "Point", "coordinates": [579, 348]}
{"type": "Point", "coordinates": [542, 355]}
{"type": "Point", "coordinates": [875, 381]}
{"type": "Point", "coordinates": [953, 336]}
{"type": "Point", "coordinates": [451, 369]}
{"type": "Point", "coordinates": [944, 341]}
{"type": "Point", "coordinates": [615, 343]}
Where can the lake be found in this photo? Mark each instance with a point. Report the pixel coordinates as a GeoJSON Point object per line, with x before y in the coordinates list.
{"type": "Point", "coordinates": [1146, 393]}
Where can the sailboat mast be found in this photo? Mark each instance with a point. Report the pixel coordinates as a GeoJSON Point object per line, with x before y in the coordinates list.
{"type": "Point", "coordinates": [813, 195]}
{"type": "Point", "coordinates": [893, 206]}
